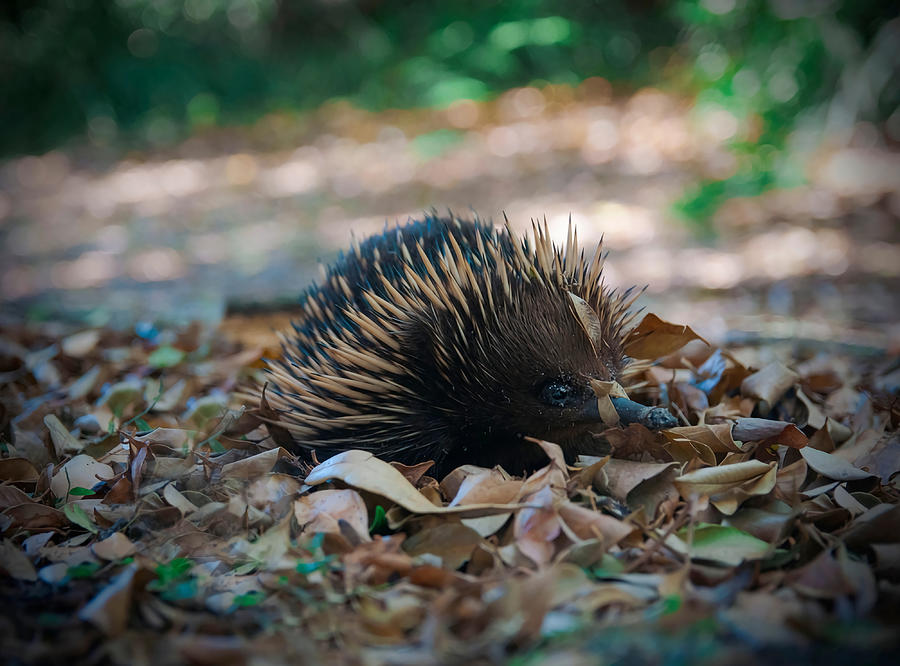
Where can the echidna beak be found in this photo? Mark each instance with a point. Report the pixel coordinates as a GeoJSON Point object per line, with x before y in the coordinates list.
{"type": "Point", "coordinates": [629, 411]}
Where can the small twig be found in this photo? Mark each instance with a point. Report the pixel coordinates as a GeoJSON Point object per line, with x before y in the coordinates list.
{"type": "Point", "coordinates": [658, 542]}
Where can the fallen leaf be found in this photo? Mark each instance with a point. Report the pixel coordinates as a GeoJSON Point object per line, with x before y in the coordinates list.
{"type": "Point", "coordinates": [728, 486]}
{"type": "Point", "coordinates": [113, 548]}
{"type": "Point", "coordinates": [176, 499]}
{"type": "Point", "coordinates": [254, 466]}
{"type": "Point", "coordinates": [832, 467]}
{"type": "Point", "coordinates": [770, 383]}
{"type": "Point", "coordinates": [654, 338]}
{"type": "Point", "coordinates": [718, 543]}
{"type": "Point", "coordinates": [17, 470]}
{"type": "Point", "coordinates": [79, 345]}
{"type": "Point", "coordinates": [82, 471]}
{"type": "Point", "coordinates": [453, 543]}
{"type": "Point", "coordinates": [109, 609]}
{"type": "Point", "coordinates": [63, 440]}
{"type": "Point", "coordinates": [16, 563]}
{"type": "Point", "coordinates": [361, 469]}
{"type": "Point", "coordinates": [323, 510]}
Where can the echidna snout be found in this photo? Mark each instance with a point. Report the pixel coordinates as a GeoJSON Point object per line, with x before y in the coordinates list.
{"type": "Point", "coordinates": [450, 340]}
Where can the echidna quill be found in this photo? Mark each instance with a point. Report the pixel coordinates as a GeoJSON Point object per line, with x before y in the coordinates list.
{"type": "Point", "coordinates": [450, 340]}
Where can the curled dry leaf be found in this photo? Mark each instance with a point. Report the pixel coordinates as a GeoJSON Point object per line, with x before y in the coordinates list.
{"type": "Point", "coordinates": [717, 438]}
{"type": "Point", "coordinates": [323, 510]}
{"type": "Point", "coordinates": [453, 543]}
{"type": "Point", "coordinates": [175, 439]}
{"type": "Point", "coordinates": [489, 486]}
{"type": "Point", "coordinates": [770, 383]}
{"type": "Point", "coordinates": [79, 345]}
{"type": "Point", "coordinates": [254, 466]}
{"type": "Point", "coordinates": [586, 524]}
{"type": "Point", "coordinates": [831, 466]}
{"type": "Point", "coordinates": [176, 499]}
{"type": "Point", "coordinates": [63, 440]}
{"type": "Point", "coordinates": [108, 610]}
{"type": "Point", "coordinates": [537, 525]}
{"type": "Point", "coordinates": [115, 547]}
{"type": "Point", "coordinates": [637, 484]}
{"type": "Point", "coordinates": [82, 471]}
{"type": "Point", "coordinates": [17, 470]}
{"type": "Point", "coordinates": [654, 338]}
{"type": "Point", "coordinates": [729, 485]}
{"type": "Point", "coordinates": [15, 563]}
{"type": "Point", "coordinates": [271, 489]}
{"type": "Point", "coordinates": [361, 469]}
{"type": "Point", "coordinates": [779, 432]}
{"type": "Point", "coordinates": [605, 391]}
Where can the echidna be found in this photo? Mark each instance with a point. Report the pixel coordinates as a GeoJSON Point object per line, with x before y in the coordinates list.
{"type": "Point", "coordinates": [449, 340]}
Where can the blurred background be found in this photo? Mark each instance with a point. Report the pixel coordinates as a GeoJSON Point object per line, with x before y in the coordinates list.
{"type": "Point", "coordinates": [164, 160]}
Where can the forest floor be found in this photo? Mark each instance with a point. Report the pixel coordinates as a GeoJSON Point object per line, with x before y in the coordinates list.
{"type": "Point", "coordinates": [149, 516]}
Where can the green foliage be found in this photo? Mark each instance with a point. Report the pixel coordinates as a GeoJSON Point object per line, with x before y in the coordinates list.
{"type": "Point", "coordinates": [174, 580]}
{"type": "Point", "coordinates": [379, 520]}
{"type": "Point", "coordinates": [76, 515]}
{"type": "Point", "coordinates": [775, 67]}
{"type": "Point", "coordinates": [251, 598]}
{"type": "Point", "coordinates": [83, 570]}
{"type": "Point", "coordinates": [165, 357]}
{"type": "Point", "coordinates": [149, 72]}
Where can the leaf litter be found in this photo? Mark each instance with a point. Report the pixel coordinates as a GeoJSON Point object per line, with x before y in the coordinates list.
{"type": "Point", "coordinates": [147, 515]}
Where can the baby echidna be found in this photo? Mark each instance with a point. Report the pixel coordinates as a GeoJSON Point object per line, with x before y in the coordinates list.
{"type": "Point", "coordinates": [449, 340]}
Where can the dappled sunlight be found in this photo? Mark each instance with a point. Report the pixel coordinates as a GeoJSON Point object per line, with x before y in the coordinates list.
{"type": "Point", "coordinates": [613, 165]}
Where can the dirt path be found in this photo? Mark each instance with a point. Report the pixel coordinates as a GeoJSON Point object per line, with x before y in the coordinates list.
{"type": "Point", "coordinates": [243, 217]}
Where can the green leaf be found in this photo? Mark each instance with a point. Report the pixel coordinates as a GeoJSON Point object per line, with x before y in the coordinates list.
{"type": "Point", "coordinates": [81, 492]}
{"type": "Point", "coordinates": [306, 568]}
{"type": "Point", "coordinates": [77, 515]}
{"type": "Point", "coordinates": [142, 425]}
{"type": "Point", "coordinates": [718, 543]}
{"type": "Point", "coordinates": [379, 521]}
{"type": "Point", "coordinates": [176, 570]}
{"type": "Point", "coordinates": [165, 357]}
{"type": "Point", "coordinates": [83, 570]}
{"type": "Point", "coordinates": [185, 589]}
{"type": "Point", "coordinates": [251, 598]}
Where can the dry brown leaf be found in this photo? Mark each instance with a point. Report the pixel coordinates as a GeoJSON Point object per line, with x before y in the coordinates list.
{"type": "Point", "coordinates": [176, 499]}
{"type": "Point", "coordinates": [729, 485]}
{"type": "Point", "coordinates": [271, 489]}
{"type": "Point", "coordinates": [361, 469]}
{"type": "Point", "coordinates": [17, 470]}
{"type": "Point", "coordinates": [79, 345]}
{"type": "Point", "coordinates": [637, 484]}
{"type": "Point", "coordinates": [453, 543]}
{"type": "Point", "coordinates": [115, 547]}
{"type": "Point", "coordinates": [654, 338]}
{"type": "Point", "coordinates": [108, 610]}
{"type": "Point", "coordinates": [832, 467]}
{"type": "Point", "coordinates": [82, 471]}
{"type": "Point", "coordinates": [537, 525]}
{"type": "Point", "coordinates": [323, 510]}
{"type": "Point", "coordinates": [717, 438]}
{"type": "Point", "coordinates": [15, 563]}
{"type": "Point", "coordinates": [63, 441]}
{"type": "Point", "coordinates": [585, 523]}
{"type": "Point", "coordinates": [770, 383]}
{"type": "Point", "coordinates": [254, 466]}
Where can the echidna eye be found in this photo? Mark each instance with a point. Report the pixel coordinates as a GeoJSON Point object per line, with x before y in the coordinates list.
{"type": "Point", "coordinates": [560, 393]}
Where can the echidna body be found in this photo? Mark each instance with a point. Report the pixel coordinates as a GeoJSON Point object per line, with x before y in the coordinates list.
{"type": "Point", "coordinates": [450, 340]}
